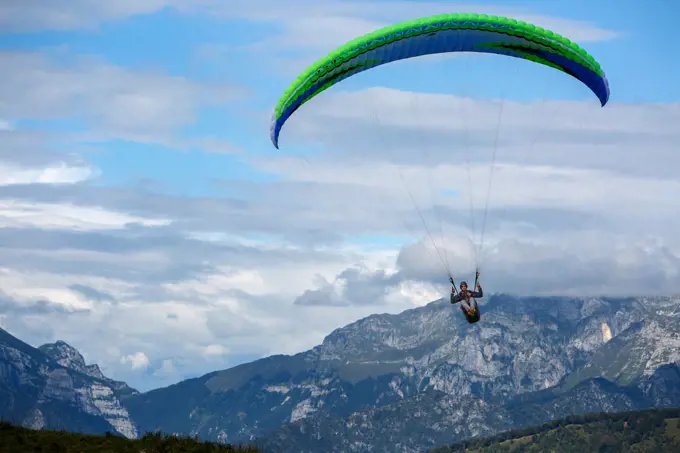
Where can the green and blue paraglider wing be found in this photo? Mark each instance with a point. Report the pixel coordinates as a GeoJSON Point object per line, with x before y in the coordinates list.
{"type": "Point", "coordinates": [441, 34]}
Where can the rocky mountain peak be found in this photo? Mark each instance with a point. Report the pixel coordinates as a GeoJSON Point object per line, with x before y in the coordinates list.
{"type": "Point", "coordinates": [66, 356]}
{"type": "Point", "coordinates": [69, 357]}
{"type": "Point", "coordinates": [52, 387]}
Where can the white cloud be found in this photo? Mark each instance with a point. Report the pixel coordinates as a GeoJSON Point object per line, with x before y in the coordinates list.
{"type": "Point", "coordinates": [36, 15]}
{"type": "Point", "coordinates": [337, 20]}
{"type": "Point", "coordinates": [598, 186]}
{"type": "Point", "coordinates": [214, 350]}
{"type": "Point", "coordinates": [167, 371]}
{"type": "Point", "coordinates": [57, 174]}
{"type": "Point", "coordinates": [114, 102]}
{"type": "Point", "coordinates": [344, 20]}
{"type": "Point", "coordinates": [137, 361]}
{"type": "Point", "coordinates": [307, 29]}
{"type": "Point", "coordinates": [448, 114]}
{"type": "Point", "coordinates": [60, 216]}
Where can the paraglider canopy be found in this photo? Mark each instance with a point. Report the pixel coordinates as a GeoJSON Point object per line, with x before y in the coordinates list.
{"type": "Point", "coordinates": [440, 34]}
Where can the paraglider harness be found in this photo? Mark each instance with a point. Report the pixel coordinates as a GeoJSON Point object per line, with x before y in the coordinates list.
{"type": "Point", "coordinates": [473, 315]}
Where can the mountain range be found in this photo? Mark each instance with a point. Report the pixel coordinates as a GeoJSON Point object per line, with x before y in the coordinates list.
{"type": "Point", "coordinates": [407, 382]}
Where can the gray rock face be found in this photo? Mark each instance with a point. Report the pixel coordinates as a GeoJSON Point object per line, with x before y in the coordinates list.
{"type": "Point", "coordinates": [52, 388]}
{"type": "Point", "coordinates": [428, 361]}
{"type": "Point", "coordinates": [435, 419]}
{"type": "Point", "coordinates": [69, 357]}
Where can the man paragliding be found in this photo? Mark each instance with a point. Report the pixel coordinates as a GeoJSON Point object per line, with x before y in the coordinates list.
{"type": "Point", "coordinates": [468, 299]}
{"type": "Point", "coordinates": [441, 34]}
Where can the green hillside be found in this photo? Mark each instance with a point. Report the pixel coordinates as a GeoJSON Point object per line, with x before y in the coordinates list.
{"type": "Point", "coordinates": [653, 431]}
{"type": "Point", "coordinates": [15, 439]}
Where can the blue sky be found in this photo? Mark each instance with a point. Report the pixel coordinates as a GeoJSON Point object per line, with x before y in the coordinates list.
{"type": "Point", "coordinates": [137, 153]}
{"type": "Point", "coordinates": [172, 42]}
